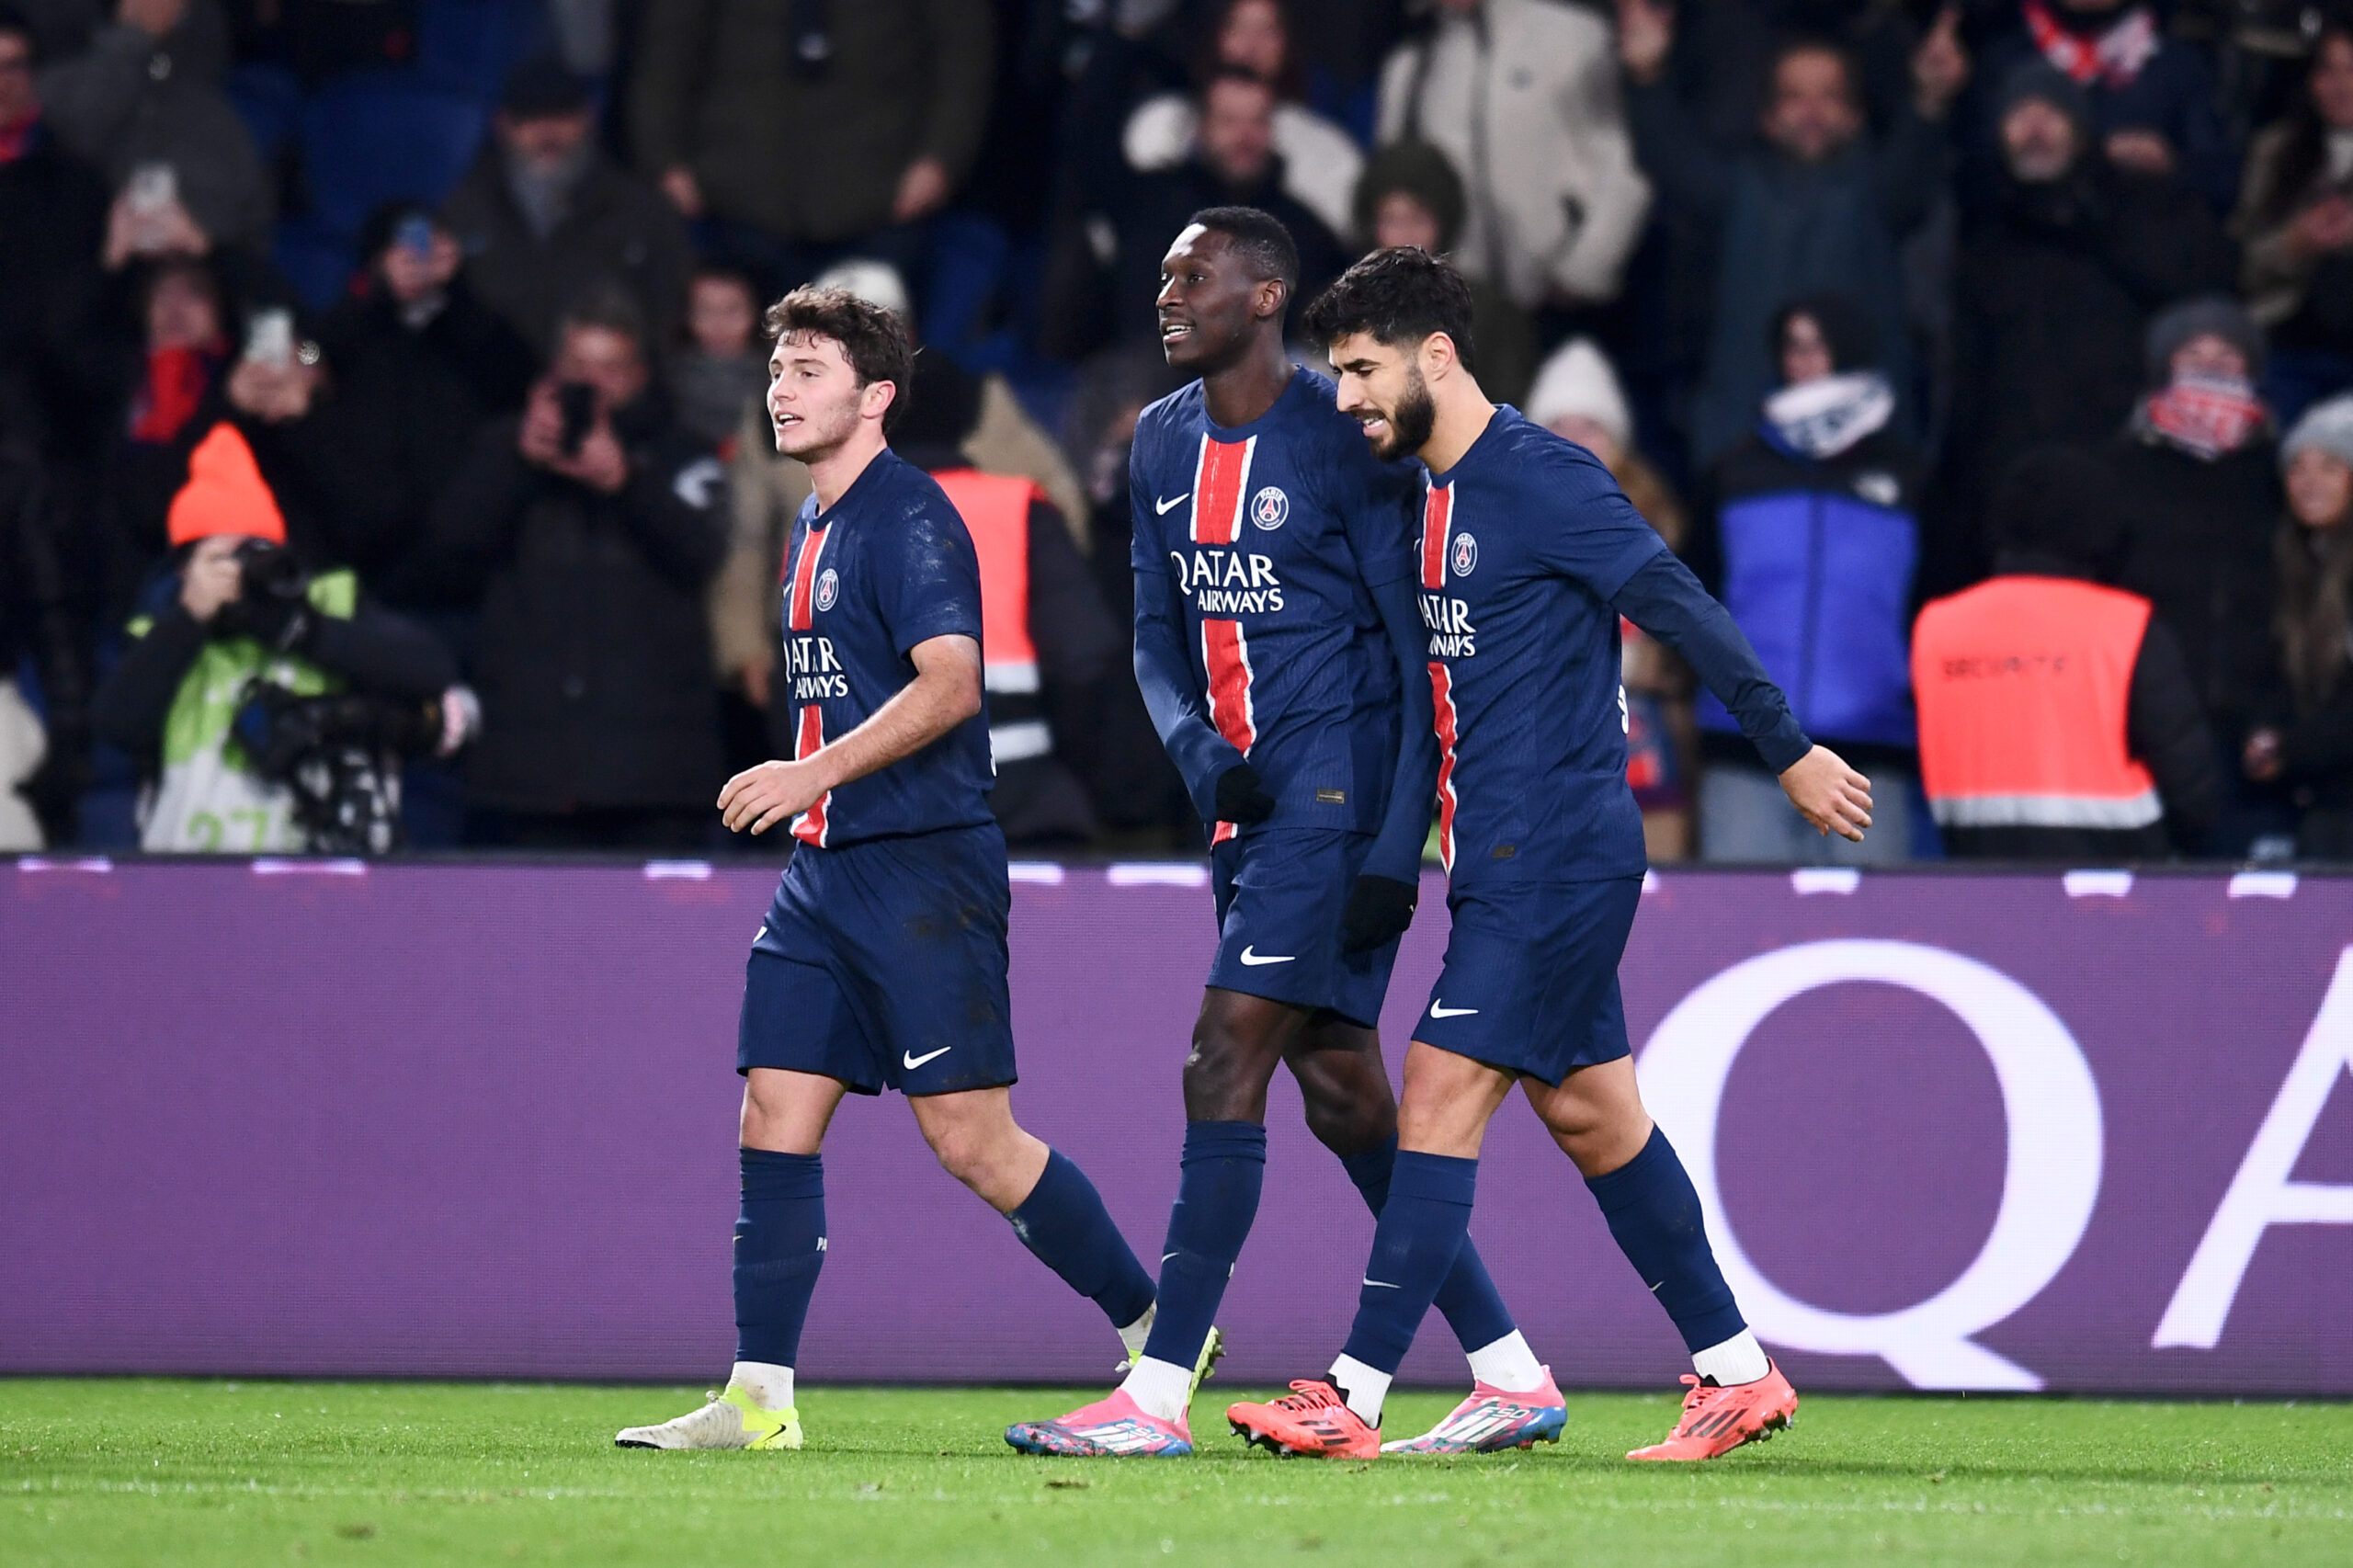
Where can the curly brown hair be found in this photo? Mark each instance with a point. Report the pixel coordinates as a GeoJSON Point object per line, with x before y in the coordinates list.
{"type": "Point", "coordinates": [873, 340]}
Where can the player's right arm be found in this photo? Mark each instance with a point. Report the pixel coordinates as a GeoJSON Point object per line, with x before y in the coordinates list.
{"type": "Point", "coordinates": [1223, 786]}
{"type": "Point", "coordinates": [945, 692]}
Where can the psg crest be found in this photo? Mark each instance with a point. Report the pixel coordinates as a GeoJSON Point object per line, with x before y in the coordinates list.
{"type": "Point", "coordinates": [1269, 507]}
{"type": "Point", "coordinates": [1466, 554]}
{"type": "Point", "coordinates": [829, 583]}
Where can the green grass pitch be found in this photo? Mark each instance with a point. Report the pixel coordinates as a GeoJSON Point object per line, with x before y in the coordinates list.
{"type": "Point", "coordinates": [213, 1472]}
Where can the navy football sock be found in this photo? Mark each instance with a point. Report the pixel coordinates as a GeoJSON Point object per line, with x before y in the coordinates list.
{"type": "Point", "coordinates": [1423, 1227]}
{"type": "Point", "coordinates": [1217, 1200]}
{"type": "Point", "coordinates": [1654, 1211]}
{"type": "Point", "coordinates": [780, 1246]}
{"type": "Point", "coordinates": [1063, 1221]}
{"type": "Point", "coordinates": [1467, 1297]}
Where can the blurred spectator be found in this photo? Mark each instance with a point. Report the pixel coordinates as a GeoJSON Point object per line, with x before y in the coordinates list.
{"type": "Point", "coordinates": [1720, 63]}
{"type": "Point", "coordinates": [718, 376]}
{"type": "Point", "coordinates": [2058, 721]}
{"type": "Point", "coordinates": [2297, 222]}
{"type": "Point", "coordinates": [545, 214]}
{"type": "Point", "coordinates": [1820, 208]}
{"type": "Point", "coordinates": [143, 105]}
{"type": "Point", "coordinates": [53, 213]}
{"type": "Point", "coordinates": [232, 647]}
{"type": "Point", "coordinates": [1410, 195]}
{"type": "Point", "coordinates": [172, 375]}
{"type": "Point", "coordinates": [978, 417]}
{"type": "Point", "coordinates": [2195, 479]}
{"type": "Point", "coordinates": [1233, 164]}
{"type": "Point", "coordinates": [2054, 289]}
{"type": "Point", "coordinates": [2312, 751]}
{"type": "Point", "coordinates": [1578, 395]}
{"type": "Point", "coordinates": [415, 364]}
{"type": "Point", "coordinates": [1522, 97]}
{"type": "Point", "coordinates": [43, 628]}
{"type": "Point", "coordinates": [2153, 98]}
{"type": "Point", "coordinates": [1319, 162]}
{"type": "Point", "coordinates": [1810, 537]}
{"type": "Point", "coordinates": [591, 524]}
{"type": "Point", "coordinates": [801, 130]}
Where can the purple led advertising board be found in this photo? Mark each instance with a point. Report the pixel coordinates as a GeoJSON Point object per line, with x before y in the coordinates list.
{"type": "Point", "coordinates": [1982, 1131]}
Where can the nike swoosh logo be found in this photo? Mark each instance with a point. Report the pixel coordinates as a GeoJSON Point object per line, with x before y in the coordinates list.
{"type": "Point", "coordinates": [1162, 508]}
{"type": "Point", "coordinates": [1439, 1010]}
{"type": "Point", "coordinates": [1254, 960]}
{"type": "Point", "coordinates": [910, 1062]}
{"type": "Point", "coordinates": [1379, 1284]}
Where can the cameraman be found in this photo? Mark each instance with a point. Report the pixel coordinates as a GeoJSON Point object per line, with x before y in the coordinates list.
{"type": "Point", "coordinates": [234, 617]}
{"type": "Point", "coordinates": [591, 526]}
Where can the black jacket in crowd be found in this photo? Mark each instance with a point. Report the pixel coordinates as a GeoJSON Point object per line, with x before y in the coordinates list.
{"type": "Point", "coordinates": [593, 659]}
{"type": "Point", "coordinates": [408, 393]}
{"type": "Point", "coordinates": [2052, 292]}
{"type": "Point", "coordinates": [2199, 547]}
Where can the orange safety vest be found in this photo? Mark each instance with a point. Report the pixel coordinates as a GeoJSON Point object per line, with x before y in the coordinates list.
{"type": "Point", "coordinates": [995, 509]}
{"type": "Point", "coordinates": [2023, 686]}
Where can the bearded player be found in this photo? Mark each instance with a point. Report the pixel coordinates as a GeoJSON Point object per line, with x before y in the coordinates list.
{"type": "Point", "coordinates": [881, 963]}
{"type": "Point", "coordinates": [1530, 553]}
{"type": "Point", "coordinates": [1278, 649]}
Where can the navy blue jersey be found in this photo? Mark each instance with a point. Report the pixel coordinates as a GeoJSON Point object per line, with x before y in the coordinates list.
{"type": "Point", "coordinates": [888, 566]}
{"type": "Point", "coordinates": [1524, 542]}
{"type": "Point", "coordinates": [1259, 545]}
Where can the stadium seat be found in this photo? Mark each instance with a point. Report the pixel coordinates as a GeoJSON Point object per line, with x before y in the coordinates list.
{"type": "Point", "coordinates": [375, 137]}
{"type": "Point", "coordinates": [269, 100]}
{"type": "Point", "coordinates": [318, 264]}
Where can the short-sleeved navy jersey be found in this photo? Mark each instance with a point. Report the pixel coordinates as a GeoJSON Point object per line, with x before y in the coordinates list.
{"type": "Point", "coordinates": [1524, 542]}
{"type": "Point", "coordinates": [888, 566]}
{"type": "Point", "coordinates": [1269, 536]}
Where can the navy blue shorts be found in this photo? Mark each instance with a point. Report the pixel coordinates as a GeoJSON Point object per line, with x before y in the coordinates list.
{"type": "Point", "coordinates": [1279, 895]}
{"type": "Point", "coordinates": [1530, 981]}
{"type": "Point", "coordinates": [883, 964]}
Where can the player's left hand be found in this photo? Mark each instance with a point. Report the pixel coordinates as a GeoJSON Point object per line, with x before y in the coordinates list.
{"type": "Point", "coordinates": [1379, 910]}
{"type": "Point", "coordinates": [1830, 795]}
{"type": "Point", "coordinates": [759, 798]}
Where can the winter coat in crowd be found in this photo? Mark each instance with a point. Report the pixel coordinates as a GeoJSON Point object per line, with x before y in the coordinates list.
{"type": "Point", "coordinates": [133, 99]}
{"type": "Point", "coordinates": [810, 149]}
{"type": "Point", "coordinates": [1810, 538]}
{"type": "Point", "coordinates": [1523, 97]}
{"type": "Point", "coordinates": [2312, 623]}
{"type": "Point", "coordinates": [593, 660]}
{"type": "Point", "coordinates": [1787, 229]}
{"type": "Point", "coordinates": [2302, 295]}
{"type": "Point", "coordinates": [2052, 292]}
{"type": "Point", "coordinates": [614, 229]}
{"type": "Point", "coordinates": [2199, 548]}
{"type": "Point", "coordinates": [52, 224]}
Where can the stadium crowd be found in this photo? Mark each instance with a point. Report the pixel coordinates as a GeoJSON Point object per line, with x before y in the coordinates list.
{"type": "Point", "coordinates": [382, 459]}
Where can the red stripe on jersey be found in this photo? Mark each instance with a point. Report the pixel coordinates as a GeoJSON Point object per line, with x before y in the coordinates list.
{"type": "Point", "coordinates": [803, 598]}
{"type": "Point", "coordinates": [1442, 693]}
{"type": "Point", "coordinates": [1227, 657]}
{"type": "Point", "coordinates": [810, 826]}
{"type": "Point", "coordinates": [1437, 515]}
{"type": "Point", "coordinates": [1221, 481]}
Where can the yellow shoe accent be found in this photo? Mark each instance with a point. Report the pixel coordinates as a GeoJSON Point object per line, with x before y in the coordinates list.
{"type": "Point", "coordinates": [1203, 1369]}
{"type": "Point", "coordinates": [769, 1428]}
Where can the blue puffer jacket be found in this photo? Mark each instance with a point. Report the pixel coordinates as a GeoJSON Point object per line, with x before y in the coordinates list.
{"type": "Point", "coordinates": [1815, 559]}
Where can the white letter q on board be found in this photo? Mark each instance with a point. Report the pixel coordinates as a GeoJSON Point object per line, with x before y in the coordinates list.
{"type": "Point", "coordinates": [2050, 1182]}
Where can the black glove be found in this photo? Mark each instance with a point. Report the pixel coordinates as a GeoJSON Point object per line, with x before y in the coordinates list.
{"type": "Point", "coordinates": [1240, 798]}
{"type": "Point", "coordinates": [1380, 908]}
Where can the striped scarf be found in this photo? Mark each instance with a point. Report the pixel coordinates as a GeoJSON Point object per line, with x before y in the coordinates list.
{"type": "Point", "coordinates": [2115, 55]}
{"type": "Point", "coordinates": [2203, 415]}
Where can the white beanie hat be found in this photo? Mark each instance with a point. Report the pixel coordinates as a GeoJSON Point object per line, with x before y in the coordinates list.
{"type": "Point", "coordinates": [876, 282]}
{"type": "Point", "coordinates": [2329, 426]}
{"type": "Point", "coordinates": [1577, 379]}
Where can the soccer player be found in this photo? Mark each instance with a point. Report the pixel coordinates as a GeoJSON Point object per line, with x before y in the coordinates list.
{"type": "Point", "coordinates": [1278, 648]}
{"type": "Point", "coordinates": [881, 964]}
{"type": "Point", "coordinates": [1530, 553]}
